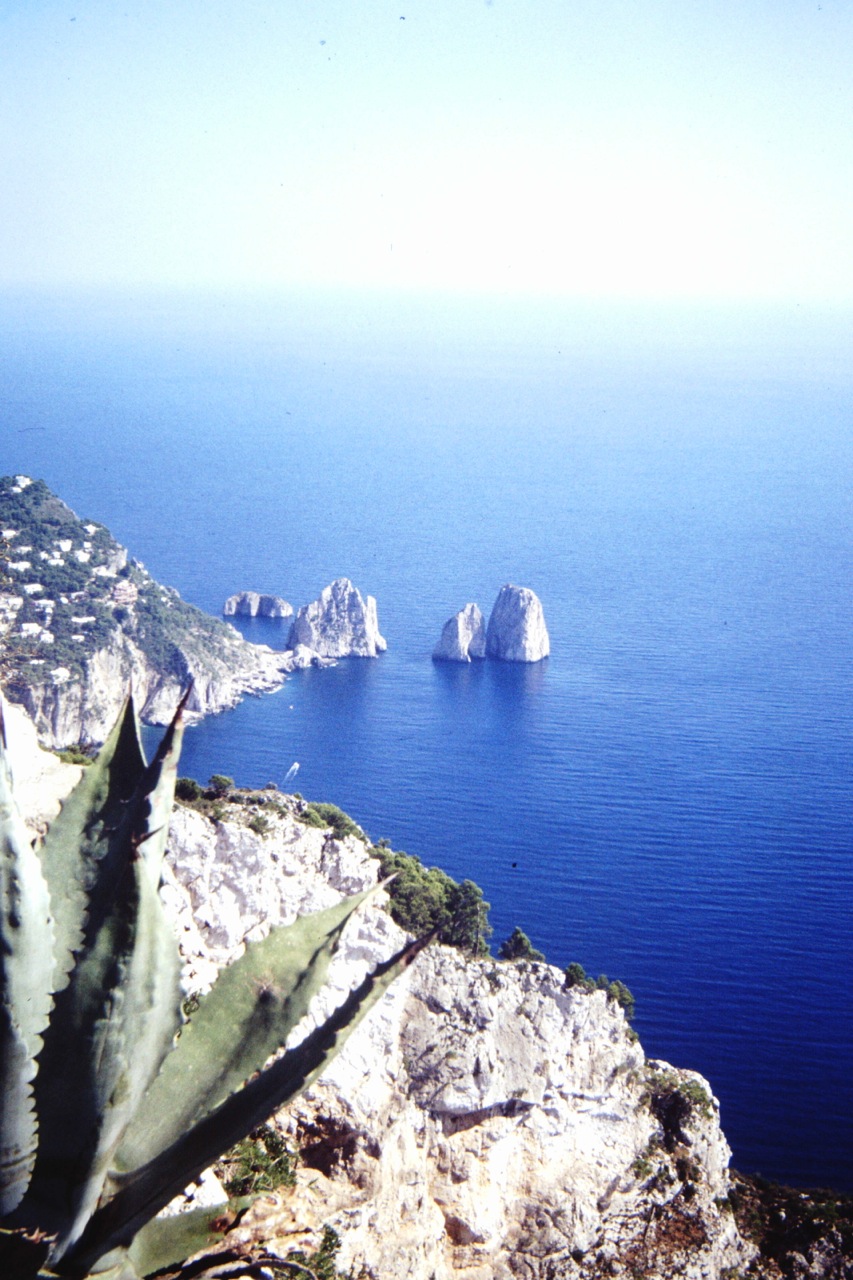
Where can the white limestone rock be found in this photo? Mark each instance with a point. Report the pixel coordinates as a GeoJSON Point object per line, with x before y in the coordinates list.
{"type": "Point", "coordinates": [85, 709]}
{"type": "Point", "coordinates": [340, 624]}
{"type": "Point", "coordinates": [463, 637]}
{"type": "Point", "coordinates": [516, 630]}
{"type": "Point", "coordinates": [251, 604]}
{"type": "Point", "coordinates": [484, 1121]}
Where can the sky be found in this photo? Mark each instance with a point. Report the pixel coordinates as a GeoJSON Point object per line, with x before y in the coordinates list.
{"type": "Point", "coordinates": [640, 149]}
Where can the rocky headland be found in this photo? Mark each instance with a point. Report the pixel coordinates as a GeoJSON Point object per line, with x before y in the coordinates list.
{"type": "Point", "coordinates": [487, 1120]}
{"type": "Point", "coordinates": [81, 623]}
{"type": "Point", "coordinates": [341, 623]}
{"type": "Point", "coordinates": [516, 631]}
{"type": "Point", "coordinates": [252, 604]}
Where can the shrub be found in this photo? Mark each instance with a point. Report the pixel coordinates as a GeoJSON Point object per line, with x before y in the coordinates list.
{"type": "Point", "coordinates": [261, 1163]}
{"type": "Point", "coordinates": [75, 755]}
{"type": "Point", "coordinates": [576, 976]}
{"type": "Point", "coordinates": [319, 1265]}
{"type": "Point", "coordinates": [617, 991]}
{"type": "Point", "coordinates": [329, 815]}
{"type": "Point", "coordinates": [260, 824]}
{"type": "Point", "coordinates": [425, 899]}
{"type": "Point", "coordinates": [188, 790]}
{"type": "Point", "coordinates": [220, 784]}
{"type": "Point", "coordinates": [519, 947]}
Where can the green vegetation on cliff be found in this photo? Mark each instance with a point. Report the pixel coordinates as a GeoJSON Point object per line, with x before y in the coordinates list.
{"type": "Point", "coordinates": [68, 590]}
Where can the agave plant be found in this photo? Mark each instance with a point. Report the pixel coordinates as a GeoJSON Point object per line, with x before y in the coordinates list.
{"type": "Point", "coordinates": [111, 1104]}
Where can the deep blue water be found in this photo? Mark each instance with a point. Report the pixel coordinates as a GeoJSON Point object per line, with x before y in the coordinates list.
{"type": "Point", "coordinates": [668, 797]}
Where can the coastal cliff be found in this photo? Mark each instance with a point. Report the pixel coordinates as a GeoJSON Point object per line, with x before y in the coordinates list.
{"type": "Point", "coordinates": [486, 1120]}
{"type": "Point", "coordinates": [81, 623]}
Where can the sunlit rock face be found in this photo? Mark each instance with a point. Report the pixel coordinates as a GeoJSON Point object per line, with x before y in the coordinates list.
{"type": "Point", "coordinates": [485, 1121]}
{"type": "Point", "coordinates": [516, 630]}
{"type": "Point", "coordinates": [341, 623]}
{"type": "Point", "coordinates": [463, 637]}
{"type": "Point", "coordinates": [251, 604]}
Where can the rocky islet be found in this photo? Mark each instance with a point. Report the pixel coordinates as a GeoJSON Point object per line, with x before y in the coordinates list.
{"type": "Point", "coordinates": [516, 631]}
{"type": "Point", "coordinates": [253, 604]}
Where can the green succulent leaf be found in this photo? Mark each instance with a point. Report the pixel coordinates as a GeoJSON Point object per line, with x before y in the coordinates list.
{"type": "Point", "coordinates": [246, 1016]}
{"type": "Point", "coordinates": [140, 1195]}
{"type": "Point", "coordinates": [84, 836]}
{"type": "Point", "coordinates": [117, 1018]}
{"type": "Point", "coordinates": [26, 986]}
{"type": "Point", "coordinates": [162, 1242]}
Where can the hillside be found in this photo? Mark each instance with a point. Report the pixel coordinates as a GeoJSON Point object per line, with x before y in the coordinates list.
{"type": "Point", "coordinates": [80, 621]}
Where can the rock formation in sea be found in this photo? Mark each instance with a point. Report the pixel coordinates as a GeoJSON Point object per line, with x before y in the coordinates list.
{"type": "Point", "coordinates": [251, 604]}
{"type": "Point", "coordinates": [339, 624]}
{"type": "Point", "coordinates": [463, 637]}
{"type": "Point", "coordinates": [516, 630]}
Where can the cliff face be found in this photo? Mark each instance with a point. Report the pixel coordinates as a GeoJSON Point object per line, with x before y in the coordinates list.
{"type": "Point", "coordinates": [81, 624]}
{"type": "Point", "coordinates": [83, 709]}
{"type": "Point", "coordinates": [484, 1121]}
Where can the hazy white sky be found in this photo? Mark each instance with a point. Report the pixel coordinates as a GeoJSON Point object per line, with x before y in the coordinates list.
{"type": "Point", "coordinates": [640, 148]}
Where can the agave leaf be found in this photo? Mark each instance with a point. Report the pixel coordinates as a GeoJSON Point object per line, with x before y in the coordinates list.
{"type": "Point", "coordinates": [163, 1242]}
{"type": "Point", "coordinates": [117, 1018]}
{"type": "Point", "coordinates": [81, 836]}
{"type": "Point", "coordinates": [246, 1016]}
{"type": "Point", "coordinates": [142, 1194]}
{"type": "Point", "coordinates": [26, 985]}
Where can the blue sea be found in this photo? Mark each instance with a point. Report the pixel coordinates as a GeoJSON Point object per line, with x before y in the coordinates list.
{"type": "Point", "coordinates": [667, 798]}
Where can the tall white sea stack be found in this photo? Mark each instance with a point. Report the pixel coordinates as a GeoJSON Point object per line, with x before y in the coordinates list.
{"type": "Point", "coordinates": [516, 630]}
{"type": "Point", "coordinates": [463, 637]}
{"type": "Point", "coordinates": [339, 624]}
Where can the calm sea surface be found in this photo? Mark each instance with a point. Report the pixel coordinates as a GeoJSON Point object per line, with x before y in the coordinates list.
{"type": "Point", "coordinates": [667, 798]}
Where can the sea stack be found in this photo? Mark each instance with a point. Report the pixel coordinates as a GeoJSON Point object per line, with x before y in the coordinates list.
{"type": "Point", "coordinates": [251, 604]}
{"type": "Point", "coordinates": [463, 637]}
{"type": "Point", "coordinates": [339, 624]}
{"type": "Point", "coordinates": [516, 630]}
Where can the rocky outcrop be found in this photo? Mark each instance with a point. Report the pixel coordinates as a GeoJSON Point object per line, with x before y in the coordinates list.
{"type": "Point", "coordinates": [484, 1122]}
{"type": "Point", "coordinates": [340, 624]}
{"type": "Point", "coordinates": [81, 624]}
{"type": "Point", "coordinates": [516, 630]}
{"type": "Point", "coordinates": [251, 604]}
{"type": "Point", "coordinates": [68, 708]}
{"type": "Point", "coordinates": [463, 637]}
